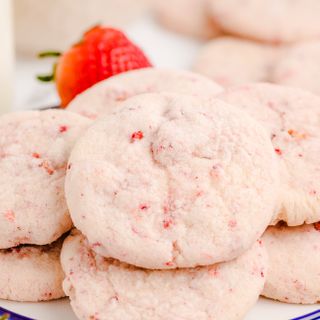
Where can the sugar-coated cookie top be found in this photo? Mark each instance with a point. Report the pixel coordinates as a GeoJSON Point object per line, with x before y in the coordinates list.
{"type": "Point", "coordinates": [172, 181]}
{"type": "Point", "coordinates": [190, 17]}
{"type": "Point", "coordinates": [106, 95]}
{"type": "Point", "coordinates": [299, 66]}
{"type": "Point", "coordinates": [292, 118]}
{"type": "Point", "coordinates": [231, 61]}
{"type": "Point", "coordinates": [269, 20]}
{"type": "Point", "coordinates": [34, 150]}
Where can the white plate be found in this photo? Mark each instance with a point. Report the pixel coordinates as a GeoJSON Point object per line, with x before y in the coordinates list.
{"type": "Point", "coordinates": [165, 49]}
{"type": "Point", "coordinates": [61, 310]}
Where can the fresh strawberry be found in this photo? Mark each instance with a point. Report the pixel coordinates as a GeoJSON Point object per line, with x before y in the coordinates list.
{"type": "Point", "coordinates": [102, 53]}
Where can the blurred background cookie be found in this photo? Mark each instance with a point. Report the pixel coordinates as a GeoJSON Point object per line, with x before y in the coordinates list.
{"type": "Point", "coordinates": [299, 66]}
{"type": "Point", "coordinates": [275, 21]}
{"type": "Point", "coordinates": [188, 17]}
{"type": "Point", "coordinates": [231, 61]}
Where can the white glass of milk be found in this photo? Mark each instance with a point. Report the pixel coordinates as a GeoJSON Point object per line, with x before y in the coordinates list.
{"type": "Point", "coordinates": [6, 56]}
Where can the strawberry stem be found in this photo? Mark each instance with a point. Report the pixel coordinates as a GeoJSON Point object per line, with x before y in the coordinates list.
{"type": "Point", "coordinates": [48, 77]}
{"type": "Point", "coordinates": [45, 78]}
{"type": "Point", "coordinates": [47, 54]}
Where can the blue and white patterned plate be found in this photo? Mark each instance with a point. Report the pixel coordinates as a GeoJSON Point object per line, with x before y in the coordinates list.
{"type": "Point", "coordinates": [61, 310]}
{"type": "Point", "coordinates": [9, 315]}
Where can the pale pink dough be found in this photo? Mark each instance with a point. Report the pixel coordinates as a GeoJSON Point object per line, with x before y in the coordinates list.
{"type": "Point", "coordinates": [292, 118]}
{"type": "Point", "coordinates": [106, 289]}
{"type": "Point", "coordinates": [299, 67]}
{"type": "Point", "coordinates": [105, 96]}
{"type": "Point", "coordinates": [275, 21]}
{"type": "Point", "coordinates": [31, 273]}
{"type": "Point", "coordinates": [231, 61]}
{"type": "Point", "coordinates": [34, 150]}
{"type": "Point", "coordinates": [294, 273]}
{"type": "Point", "coordinates": [189, 17]}
{"type": "Point", "coordinates": [172, 181]}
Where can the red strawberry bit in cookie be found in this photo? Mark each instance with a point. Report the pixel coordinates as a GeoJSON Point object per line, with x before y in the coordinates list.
{"type": "Point", "coordinates": [169, 264]}
{"type": "Point", "coordinates": [317, 226]}
{"type": "Point", "coordinates": [10, 216]}
{"type": "Point", "coordinates": [138, 135]}
{"type": "Point", "coordinates": [63, 129]}
{"type": "Point", "coordinates": [278, 151]}
{"type": "Point", "coordinates": [45, 165]}
{"type": "Point", "coordinates": [36, 155]}
{"type": "Point", "coordinates": [312, 192]}
{"type": "Point", "coordinates": [144, 206]}
{"type": "Point", "coordinates": [167, 223]}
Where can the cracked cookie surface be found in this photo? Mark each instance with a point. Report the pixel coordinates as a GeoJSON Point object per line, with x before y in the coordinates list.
{"type": "Point", "coordinates": [164, 182]}
{"type": "Point", "coordinates": [292, 118]}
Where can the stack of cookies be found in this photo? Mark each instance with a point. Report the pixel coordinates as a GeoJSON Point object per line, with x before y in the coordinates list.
{"type": "Point", "coordinates": [171, 193]}
{"type": "Point", "coordinates": [166, 204]}
{"type": "Point", "coordinates": [34, 147]}
{"type": "Point", "coordinates": [291, 117]}
{"type": "Point", "coordinates": [177, 191]}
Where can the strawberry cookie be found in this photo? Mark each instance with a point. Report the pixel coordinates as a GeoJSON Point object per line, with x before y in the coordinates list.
{"type": "Point", "coordinates": [299, 67]}
{"type": "Point", "coordinates": [103, 289]}
{"type": "Point", "coordinates": [294, 254]}
{"type": "Point", "coordinates": [189, 17]}
{"type": "Point", "coordinates": [230, 61]}
{"type": "Point", "coordinates": [167, 180]}
{"type": "Point", "coordinates": [106, 95]}
{"type": "Point", "coordinates": [31, 273]}
{"type": "Point", "coordinates": [292, 119]}
{"type": "Point", "coordinates": [34, 150]}
{"type": "Point", "coordinates": [275, 21]}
